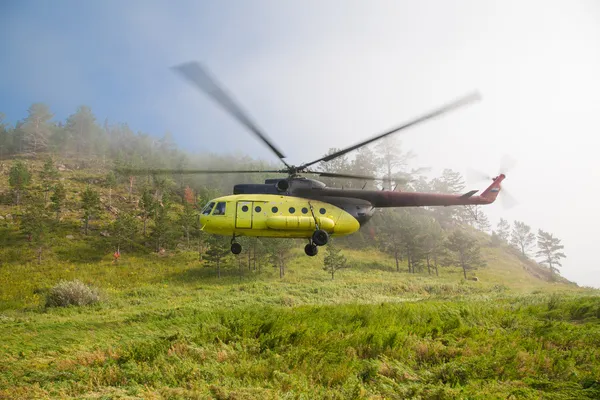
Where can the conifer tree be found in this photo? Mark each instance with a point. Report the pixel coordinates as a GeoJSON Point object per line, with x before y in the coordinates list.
{"type": "Point", "coordinates": [36, 127]}
{"type": "Point", "coordinates": [19, 178]}
{"type": "Point", "coordinates": [35, 224]}
{"type": "Point", "coordinates": [466, 251]}
{"type": "Point", "coordinates": [522, 237]}
{"type": "Point", "coordinates": [334, 259]}
{"type": "Point", "coordinates": [90, 204]}
{"type": "Point", "coordinates": [503, 230]}
{"type": "Point", "coordinates": [48, 175]}
{"type": "Point", "coordinates": [111, 182]}
{"type": "Point", "coordinates": [147, 207]}
{"type": "Point", "coordinates": [549, 250]}
{"type": "Point", "coordinates": [217, 252]}
{"type": "Point", "coordinates": [57, 199]}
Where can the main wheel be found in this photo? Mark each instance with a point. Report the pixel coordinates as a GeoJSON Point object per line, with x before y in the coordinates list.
{"type": "Point", "coordinates": [311, 250]}
{"type": "Point", "coordinates": [236, 248]}
{"type": "Point", "coordinates": [320, 237]}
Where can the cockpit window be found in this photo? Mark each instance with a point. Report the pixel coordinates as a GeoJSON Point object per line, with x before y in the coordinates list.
{"type": "Point", "coordinates": [220, 208]}
{"type": "Point", "coordinates": [208, 208]}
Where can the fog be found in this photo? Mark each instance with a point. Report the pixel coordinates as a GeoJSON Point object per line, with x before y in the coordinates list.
{"type": "Point", "coordinates": [316, 75]}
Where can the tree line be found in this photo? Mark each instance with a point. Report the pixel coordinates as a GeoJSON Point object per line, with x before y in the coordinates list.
{"type": "Point", "coordinates": [161, 211]}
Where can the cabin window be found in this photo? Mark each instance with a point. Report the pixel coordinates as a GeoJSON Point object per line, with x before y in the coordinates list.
{"type": "Point", "coordinates": [220, 209]}
{"type": "Point", "coordinates": [274, 209]}
{"type": "Point", "coordinates": [304, 210]}
{"type": "Point", "coordinates": [292, 210]}
{"type": "Point", "coordinates": [208, 208]}
{"type": "Point", "coordinates": [257, 209]}
{"type": "Point", "coordinates": [322, 211]}
{"type": "Point", "coordinates": [244, 208]}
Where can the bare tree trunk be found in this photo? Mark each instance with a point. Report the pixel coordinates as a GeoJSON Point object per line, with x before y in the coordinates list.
{"type": "Point", "coordinates": [87, 221]}
{"type": "Point", "coordinates": [131, 178]}
{"type": "Point", "coordinates": [428, 266]}
{"type": "Point", "coordinates": [332, 272]}
{"type": "Point", "coordinates": [397, 264]}
{"type": "Point", "coordinates": [464, 267]}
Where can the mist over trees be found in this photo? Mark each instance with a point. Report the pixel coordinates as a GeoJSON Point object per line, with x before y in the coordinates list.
{"type": "Point", "coordinates": [158, 212]}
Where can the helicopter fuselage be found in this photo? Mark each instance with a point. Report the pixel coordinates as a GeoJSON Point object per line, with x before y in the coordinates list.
{"type": "Point", "coordinates": [271, 215]}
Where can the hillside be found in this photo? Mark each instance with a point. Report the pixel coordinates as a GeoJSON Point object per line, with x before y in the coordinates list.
{"type": "Point", "coordinates": [168, 327]}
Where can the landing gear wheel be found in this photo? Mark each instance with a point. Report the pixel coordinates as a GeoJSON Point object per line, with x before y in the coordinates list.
{"type": "Point", "coordinates": [311, 250]}
{"type": "Point", "coordinates": [236, 248]}
{"type": "Point", "coordinates": [320, 237]}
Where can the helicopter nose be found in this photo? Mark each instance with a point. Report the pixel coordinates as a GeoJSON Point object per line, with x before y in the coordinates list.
{"type": "Point", "coordinates": [203, 221]}
{"type": "Point", "coordinates": [346, 224]}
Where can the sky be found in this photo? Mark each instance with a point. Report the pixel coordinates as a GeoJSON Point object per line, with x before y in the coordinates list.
{"type": "Point", "coordinates": [321, 74]}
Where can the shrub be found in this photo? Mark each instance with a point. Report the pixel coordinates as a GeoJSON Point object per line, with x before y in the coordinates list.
{"type": "Point", "coordinates": [75, 292]}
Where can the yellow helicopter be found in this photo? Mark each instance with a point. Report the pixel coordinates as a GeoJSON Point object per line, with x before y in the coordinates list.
{"type": "Point", "coordinates": [298, 207]}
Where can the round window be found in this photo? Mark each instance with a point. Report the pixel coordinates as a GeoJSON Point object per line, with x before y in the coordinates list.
{"type": "Point", "coordinates": [244, 208]}
{"type": "Point", "coordinates": [292, 210]}
{"type": "Point", "coordinates": [257, 209]}
{"type": "Point", "coordinates": [274, 209]}
{"type": "Point", "coordinates": [304, 210]}
{"type": "Point", "coordinates": [322, 211]}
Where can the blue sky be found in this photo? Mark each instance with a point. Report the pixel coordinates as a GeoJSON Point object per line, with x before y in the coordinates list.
{"type": "Point", "coordinates": [320, 74]}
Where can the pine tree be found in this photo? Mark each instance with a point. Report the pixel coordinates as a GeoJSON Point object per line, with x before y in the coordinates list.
{"type": "Point", "coordinates": [392, 159]}
{"type": "Point", "coordinates": [37, 128]}
{"type": "Point", "coordinates": [19, 178]}
{"type": "Point", "coordinates": [90, 204]}
{"type": "Point", "coordinates": [279, 253]}
{"type": "Point", "coordinates": [482, 222]}
{"type": "Point", "coordinates": [217, 252]}
{"type": "Point", "coordinates": [522, 237]}
{"type": "Point", "coordinates": [503, 230]}
{"type": "Point", "coordinates": [334, 259]}
{"type": "Point", "coordinates": [57, 199]}
{"type": "Point", "coordinates": [466, 251]}
{"type": "Point", "coordinates": [35, 224]}
{"type": "Point", "coordinates": [187, 220]}
{"type": "Point", "coordinates": [147, 207]}
{"type": "Point", "coordinates": [549, 249]}
{"type": "Point", "coordinates": [162, 232]}
{"type": "Point", "coordinates": [48, 175]}
{"type": "Point", "coordinates": [124, 229]}
{"type": "Point", "coordinates": [81, 128]}
{"type": "Point", "coordinates": [110, 182]}
{"type": "Point", "coordinates": [433, 244]}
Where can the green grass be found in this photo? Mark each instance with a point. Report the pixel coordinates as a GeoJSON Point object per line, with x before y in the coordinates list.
{"type": "Point", "coordinates": [167, 327]}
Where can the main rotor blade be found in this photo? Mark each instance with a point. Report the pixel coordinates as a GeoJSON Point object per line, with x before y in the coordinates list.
{"type": "Point", "coordinates": [199, 76]}
{"type": "Point", "coordinates": [470, 98]}
{"type": "Point", "coordinates": [193, 171]}
{"type": "Point", "coordinates": [350, 176]}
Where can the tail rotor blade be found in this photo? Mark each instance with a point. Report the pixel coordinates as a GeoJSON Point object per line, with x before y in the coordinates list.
{"type": "Point", "coordinates": [507, 163]}
{"type": "Point", "coordinates": [508, 201]}
{"type": "Point", "coordinates": [475, 176]}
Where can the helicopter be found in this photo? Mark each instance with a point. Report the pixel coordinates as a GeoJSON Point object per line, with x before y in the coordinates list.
{"type": "Point", "coordinates": [298, 207]}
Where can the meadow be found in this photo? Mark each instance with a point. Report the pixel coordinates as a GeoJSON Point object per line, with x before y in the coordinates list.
{"type": "Point", "coordinates": [167, 327]}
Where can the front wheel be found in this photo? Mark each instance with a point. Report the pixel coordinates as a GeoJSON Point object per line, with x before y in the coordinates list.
{"type": "Point", "coordinates": [311, 250]}
{"type": "Point", "coordinates": [320, 237]}
{"type": "Point", "coordinates": [236, 248]}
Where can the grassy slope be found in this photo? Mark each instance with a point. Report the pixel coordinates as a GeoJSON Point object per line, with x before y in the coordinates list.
{"type": "Point", "coordinates": [167, 328]}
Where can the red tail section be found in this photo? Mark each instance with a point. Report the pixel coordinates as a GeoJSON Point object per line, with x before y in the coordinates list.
{"type": "Point", "coordinates": [492, 191]}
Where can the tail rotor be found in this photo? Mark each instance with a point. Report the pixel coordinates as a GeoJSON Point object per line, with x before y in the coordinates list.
{"type": "Point", "coordinates": [507, 163]}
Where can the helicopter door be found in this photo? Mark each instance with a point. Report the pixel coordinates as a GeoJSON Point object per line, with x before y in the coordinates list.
{"type": "Point", "coordinates": [243, 216]}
